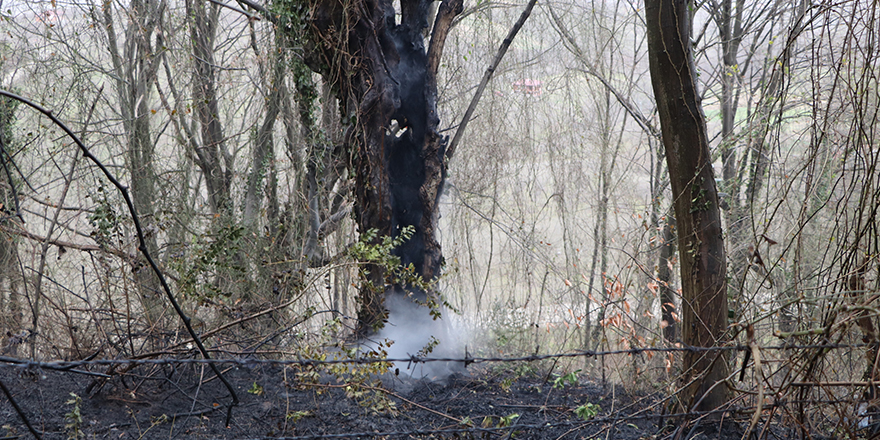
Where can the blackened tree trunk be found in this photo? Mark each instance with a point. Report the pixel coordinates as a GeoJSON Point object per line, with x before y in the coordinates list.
{"type": "Point", "coordinates": [700, 242]}
{"type": "Point", "coordinates": [386, 78]}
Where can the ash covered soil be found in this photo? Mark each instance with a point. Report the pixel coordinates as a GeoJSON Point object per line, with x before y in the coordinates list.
{"type": "Point", "coordinates": [164, 401]}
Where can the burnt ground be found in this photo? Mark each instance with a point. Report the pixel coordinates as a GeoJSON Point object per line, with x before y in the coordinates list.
{"type": "Point", "coordinates": [162, 401]}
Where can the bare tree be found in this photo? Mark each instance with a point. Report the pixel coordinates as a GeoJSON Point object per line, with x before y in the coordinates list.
{"type": "Point", "coordinates": [212, 154]}
{"type": "Point", "coordinates": [698, 216]}
{"type": "Point", "coordinates": [135, 68]}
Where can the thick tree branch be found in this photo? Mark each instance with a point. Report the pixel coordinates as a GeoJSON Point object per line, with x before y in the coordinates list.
{"type": "Point", "coordinates": [262, 10]}
{"type": "Point", "coordinates": [445, 14]}
{"type": "Point", "coordinates": [332, 223]}
{"type": "Point", "coordinates": [232, 8]}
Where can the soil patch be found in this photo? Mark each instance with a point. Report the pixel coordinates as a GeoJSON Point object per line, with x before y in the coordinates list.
{"type": "Point", "coordinates": [164, 401]}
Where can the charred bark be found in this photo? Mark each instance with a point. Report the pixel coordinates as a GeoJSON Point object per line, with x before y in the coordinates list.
{"type": "Point", "coordinates": [698, 219]}
{"type": "Point", "coordinates": [382, 69]}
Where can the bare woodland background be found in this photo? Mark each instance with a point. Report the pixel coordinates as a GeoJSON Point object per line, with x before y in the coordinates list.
{"type": "Point", "coordinates": [556, 223]}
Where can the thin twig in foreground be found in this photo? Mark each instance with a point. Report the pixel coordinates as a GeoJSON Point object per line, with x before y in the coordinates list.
{"type": "Point", "coordinates": [19, 411]}
{"type": "Point", "coordinates": [486, 77]}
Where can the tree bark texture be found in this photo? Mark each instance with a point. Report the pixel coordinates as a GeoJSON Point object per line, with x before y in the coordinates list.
{"type": "Point", "coordinates": [700, 243]}
{"type": "Point", "coordinates": [382, 71]}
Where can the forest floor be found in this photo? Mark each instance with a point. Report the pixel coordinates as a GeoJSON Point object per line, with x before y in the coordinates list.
{"type": "Point", "coordinates": [163, 401]}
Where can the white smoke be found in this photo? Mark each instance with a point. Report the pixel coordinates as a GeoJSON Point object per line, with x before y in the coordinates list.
{"type": "Point", "coordinates": [411, 330]}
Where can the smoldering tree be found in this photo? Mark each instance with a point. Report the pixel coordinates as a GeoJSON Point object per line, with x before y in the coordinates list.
{"type": "Point", "coordinates": [384, 74]}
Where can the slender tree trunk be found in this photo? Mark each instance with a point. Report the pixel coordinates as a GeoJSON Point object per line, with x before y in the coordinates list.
{"type": "Point", "coordinates": [212, 156]}
{"type": "Point", "coordinates": [601, 228]}
{"type": "Point", "coordinates": [730, 28]}
{"type": "Point", "coordinates": [664, 278]}
{"type": "Point", "coordinates": [135, 70]}
{"type": "Point", "coordinates": [698, 218]}
{"type": "Point", "coordinates": [264, 147]}
{"type": "Point", "coordinates": [10, 276]}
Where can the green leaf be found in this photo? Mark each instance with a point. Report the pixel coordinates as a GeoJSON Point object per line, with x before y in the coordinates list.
{"type": "Point", "coordinates": [256, 390]}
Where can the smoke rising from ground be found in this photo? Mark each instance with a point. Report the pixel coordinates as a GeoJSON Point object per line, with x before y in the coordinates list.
{"type": "Point", "coordinates": [412, 328]}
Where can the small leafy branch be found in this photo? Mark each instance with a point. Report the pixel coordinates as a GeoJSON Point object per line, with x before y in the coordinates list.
{"type": "Point", "coordinates": [360, 379]}
{"type": "Point", "coordinates": [570, 379]}
{"type": "Point", "coordinates": [105, 222]}
{"type": "Point", "coordinates": [369, 249]}
{"type": "Point", "coordinates": [587, 411]}
{"type": "Point", "coordinates": [380, 252]}
{"type": "Point", "coordinates": [429, 347]}
{"type": "Point", "coordinates": [203, 260]}
{"type": "Point", "coordinates": [74, 419]}
{"type": "Point", "coordinates": [357, 378]}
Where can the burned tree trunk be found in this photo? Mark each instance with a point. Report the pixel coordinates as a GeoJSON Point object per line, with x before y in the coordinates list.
{"type": "Point", "coordinates": [386, 78]}
{"type": "Point", "coordinates": [704, 306]}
